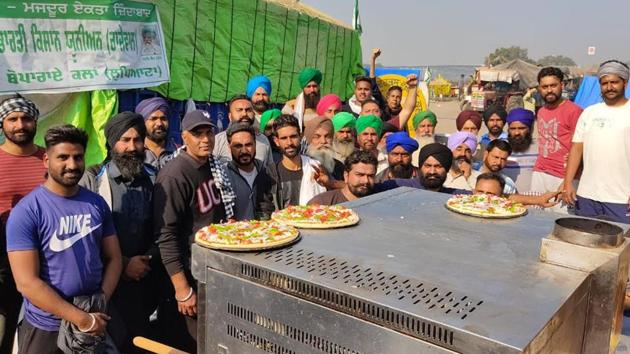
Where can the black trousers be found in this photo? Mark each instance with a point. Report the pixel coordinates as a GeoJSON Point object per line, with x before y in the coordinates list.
{"type": "Point", "coordinates": [10, 304]}
{"type": "Point", "coordinates": [130, 307]}
{"type": "Point", "coordinates": [175, 329]}
{"type": "Point", "coordinates": [34, 340]}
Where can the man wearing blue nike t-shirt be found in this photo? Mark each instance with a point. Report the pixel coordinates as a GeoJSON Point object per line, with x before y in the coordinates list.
{"type": "Point", "coordinates": [61, 244]}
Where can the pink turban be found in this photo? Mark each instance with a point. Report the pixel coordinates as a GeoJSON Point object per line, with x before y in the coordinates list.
{"type": "Point", "coordinates": [327, 101]}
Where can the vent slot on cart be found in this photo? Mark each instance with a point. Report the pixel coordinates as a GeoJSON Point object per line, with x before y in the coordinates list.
{"type": "Point", "coordinates": [377, 314]}
{"type": "Point", "coordinates": [418, 293]}
{"type": "Point", "coordinates": [286, 330]}
{"type": "Point", "coordinates": [256, 341]}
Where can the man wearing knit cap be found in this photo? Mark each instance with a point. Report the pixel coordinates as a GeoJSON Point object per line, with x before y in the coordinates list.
{"type": "Point", "coordinates": [158, 147]}
{"type": "Point", "coordinates": [258, 91]}
{"type": "Point", "coordinates": [556, 122]}
{"type": "Point", "coordinates": [461, 175]}
{"type": "Point", "coordinates": [601, 143]}
{"type": "Point", "coordinates": [318, 134]}
{"type": "Point", "coordinates": [22, 169]}
{"type": "Point", "coordinates": [520, 164]}
{"type": "Point", "coordinates": [435, 160]}
{"type": "Point", "coordinates": [468, 121]}
{"type": "Point", "coordinates": [240, 110]}
{"type": "Point", "coordinates": [369, 129]}
{"type": "Point", "coordinates": [494, 119]}
{"type": "Point", "coordinates": [304, 106]}
{"type": "Point", "coordinates": [126, 184]}
{"type": "Point", "coordinates": [424, 123]}
{"type": "Point", "coordinates": [400, 147]}
{"type": "Point", "coordinates": [328, 106]}
{"type": "Point", "coordinates": [343, 142]}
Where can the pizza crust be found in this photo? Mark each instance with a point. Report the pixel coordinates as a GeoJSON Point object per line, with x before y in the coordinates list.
{"type": "Point", "coordinates": [453, 205]}
{"type": "Point", "coordinates": [289, 235]}
{"type": "Point", "coordinates": [281, 217]}
{"type": "Point", "coordinates": [249, 247]}
{"type": "Point", "coordinates": [352, 220]}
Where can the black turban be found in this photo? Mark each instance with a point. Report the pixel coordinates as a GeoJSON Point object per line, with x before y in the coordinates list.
{"type": "Point", "coordinates": [494, 109]}
{"type": "Point", "coordinates": [120, 123]}
{"type": "Point", "coordinates": [439, 152]}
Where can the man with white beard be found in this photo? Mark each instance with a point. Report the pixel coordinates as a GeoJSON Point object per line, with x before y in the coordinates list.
{"type": "Point", "coordinates": [424, 123]}
{"type": "Point", "coordinates": [318, 134]}
{"type": "Point", "coordinates": [344, 135]}
{"type": "Point", "coordinates": [461, 174]}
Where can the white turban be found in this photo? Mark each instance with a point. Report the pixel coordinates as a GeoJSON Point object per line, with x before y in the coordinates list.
{"type": "Point", "coordinates": [614, 67]}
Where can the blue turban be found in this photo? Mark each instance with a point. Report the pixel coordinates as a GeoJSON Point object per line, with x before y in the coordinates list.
{"type": "Point", "coordinates": [522, 115]}
{"type": "Point", "coordinates": [150, 105]}
{"type": "Point", "coordinates": [401, 139]}
{"type": "Point", "coordinates": [468, 138]}
{"type": "Point", "coordinates": [256, 82]}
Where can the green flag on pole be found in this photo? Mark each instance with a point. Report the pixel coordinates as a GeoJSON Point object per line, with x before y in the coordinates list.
{"type": "Point", "coordinates": [356, 19]}
{"type": "Point", "coordinates": [427, 75]}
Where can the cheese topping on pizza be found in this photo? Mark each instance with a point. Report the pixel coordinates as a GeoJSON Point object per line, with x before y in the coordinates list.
{"type": "Point", "coordinates": [246, 233]}
{"type": "Point", "coordinates": [318, 214]}
{"type": "Point", "coordinates": [485, 205]}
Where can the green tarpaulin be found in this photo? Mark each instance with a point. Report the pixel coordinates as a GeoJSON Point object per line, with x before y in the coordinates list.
{"type": "Point", "coordinates": [88, 111]}
{"type": "Point", "coordinates": [215, 46]}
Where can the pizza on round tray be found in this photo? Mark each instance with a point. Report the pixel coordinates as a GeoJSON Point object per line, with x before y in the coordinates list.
{"type": "Point", "coordinates": [485, 206]}
{"type": "Point", "coordinates": [316, 216]}
{"type": "Point", "coordinates": [246, 235]}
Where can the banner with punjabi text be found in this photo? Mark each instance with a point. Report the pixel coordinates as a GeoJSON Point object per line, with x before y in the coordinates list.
{"type": "Point", "coordinates": [69, 46]}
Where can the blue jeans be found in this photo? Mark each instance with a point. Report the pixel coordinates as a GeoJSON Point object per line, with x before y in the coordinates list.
{"type": "Point", "coordinates": [607, 211]}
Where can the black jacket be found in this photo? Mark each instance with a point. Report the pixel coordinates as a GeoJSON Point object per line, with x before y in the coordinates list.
{"type": "Point", "coordinates": [185, 199]}
{"type": "Point", "coordinates": [254, 202]}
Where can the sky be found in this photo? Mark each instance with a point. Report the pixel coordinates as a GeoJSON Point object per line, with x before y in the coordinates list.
{"type": "Point", "coordinates": [463, 32]}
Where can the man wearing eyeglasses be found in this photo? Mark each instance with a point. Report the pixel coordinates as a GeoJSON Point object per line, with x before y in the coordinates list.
{"type": "Point", "coordinates": [601, 143]}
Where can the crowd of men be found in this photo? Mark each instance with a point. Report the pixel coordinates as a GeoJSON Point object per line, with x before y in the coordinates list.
{"type": "Point", "coordinates": [99, 255]}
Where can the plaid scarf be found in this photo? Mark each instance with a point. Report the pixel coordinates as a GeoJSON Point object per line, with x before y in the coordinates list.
{"type": "Point", "coordinates": [221, 180]}
{"type": "Point", "coordinates": [18, 104]}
